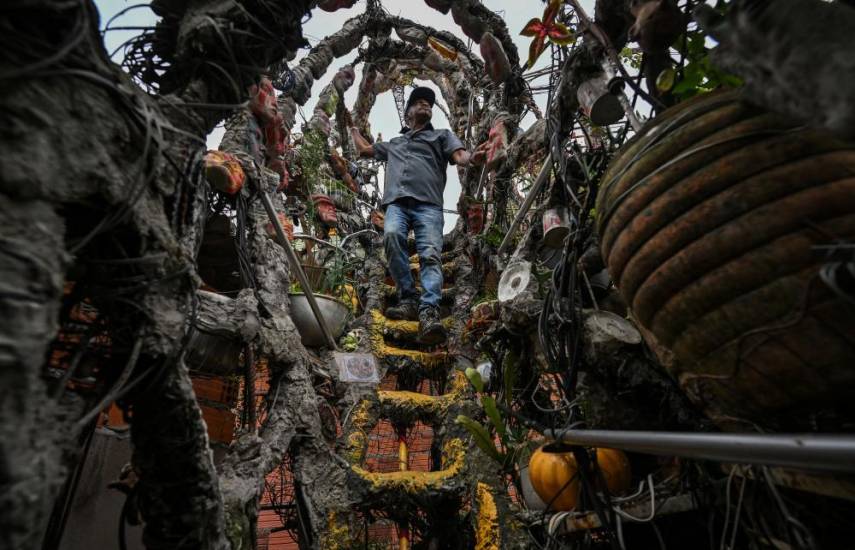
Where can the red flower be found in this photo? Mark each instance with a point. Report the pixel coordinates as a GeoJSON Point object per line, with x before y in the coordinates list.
{"type": "Point", "coordinates": [557, 33]}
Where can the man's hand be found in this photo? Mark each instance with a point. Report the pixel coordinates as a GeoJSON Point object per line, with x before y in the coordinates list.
{"type": "Point", "coordinates": [480, 154]}
{"type": "Point", "coordinates": [462, 157]}
{"type": "Point", "coordinates": [364, 148]}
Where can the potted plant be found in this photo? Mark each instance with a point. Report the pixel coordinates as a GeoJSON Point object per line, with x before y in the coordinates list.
{"type": "Point", "coordinates": [334, 296]}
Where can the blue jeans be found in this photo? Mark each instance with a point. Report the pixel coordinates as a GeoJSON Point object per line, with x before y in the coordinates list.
{"type": "Point", "coordinates": [426, 221]}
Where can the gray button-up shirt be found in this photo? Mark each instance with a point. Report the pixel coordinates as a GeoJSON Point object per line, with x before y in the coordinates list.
{"type": "Point", "coordinates": [415, 164]}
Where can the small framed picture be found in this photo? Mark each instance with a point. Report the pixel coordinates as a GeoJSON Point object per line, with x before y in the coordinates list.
{"type": "Point", "coordinates": [357, 367]}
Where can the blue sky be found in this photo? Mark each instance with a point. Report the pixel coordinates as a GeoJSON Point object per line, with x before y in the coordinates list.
{"type": "Point", "coordinates": [384, 117]}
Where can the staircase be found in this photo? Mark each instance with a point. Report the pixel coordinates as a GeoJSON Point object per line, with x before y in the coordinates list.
{"type": "Point", "coordinates": [414, 405]}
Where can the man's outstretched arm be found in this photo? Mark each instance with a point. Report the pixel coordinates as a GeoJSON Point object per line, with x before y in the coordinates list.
{"type": "Point", "coordinates": [363, 148]}
{"type": "Point", "coordinates": [462, 157]}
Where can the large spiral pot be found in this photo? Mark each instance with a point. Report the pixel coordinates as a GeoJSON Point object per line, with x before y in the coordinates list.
{"type": "Point", "coordinates": [714, 223]}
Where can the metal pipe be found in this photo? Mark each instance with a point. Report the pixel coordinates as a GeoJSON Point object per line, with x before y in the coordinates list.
{"type": "Point", "coordinates": [532, 194]}
{"type": "Point", "coordinates": [296, 267]}
{"type": "Point", "coordinates": [327, 243]}
{"type": "Point", "coordinates": [834, 453]}
{"type": "Point", "coordinates": [355, 233]}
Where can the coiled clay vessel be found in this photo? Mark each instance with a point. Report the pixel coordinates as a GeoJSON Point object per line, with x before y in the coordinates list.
{"type": "Point", "coordinates": [716, 223]}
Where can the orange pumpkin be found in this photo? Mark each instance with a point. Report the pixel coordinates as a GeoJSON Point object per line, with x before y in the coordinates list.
{"type": "Point", "coordinates": [555, 474]}
{"type": "Point", "coordinates": [551, 472]}
{"type": "Point", "coordinates": [615, 467]}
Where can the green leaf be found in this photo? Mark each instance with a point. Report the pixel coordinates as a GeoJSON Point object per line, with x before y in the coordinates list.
{"type": "Point", "coordinates": [692, 76]}
{"type": "Point", "coordinates": [696, 45]}
{"type": "Point", "coordinates": [560, 34]}
{"type": "Point", "coordinates": [482, 438]}
{"type": "Point", "coordinates": [665, 80]}
{"type": "Point", "coordinates": [492, 411]}
{"type": "Point", "coordinates": [475, 379]}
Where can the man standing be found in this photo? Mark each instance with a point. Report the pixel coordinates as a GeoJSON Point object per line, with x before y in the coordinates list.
{"type": "Point", "coordinates": [412, 197]}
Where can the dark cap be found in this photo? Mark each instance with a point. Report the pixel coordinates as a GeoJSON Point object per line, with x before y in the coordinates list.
{"type": "Point", "coordinates": [420, 93]}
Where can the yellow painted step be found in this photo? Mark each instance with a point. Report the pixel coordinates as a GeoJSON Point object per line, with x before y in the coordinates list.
{"type": "Point", "coordinates": [408, 330]}
{"type": "Point", "coordinates": [447, 257]}
{"type": "Point", "coordinates": [408, 407]}
{"type": "Point", "coordinates": [447, 270]}
{"type": "Point", "coordinates": [418, 483]}
{"type": "Point", "coordinates": [389, 291]}
{"type": "Point", "coordinates": [428, 359]}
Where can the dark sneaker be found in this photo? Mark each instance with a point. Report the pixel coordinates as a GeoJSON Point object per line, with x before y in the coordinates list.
{"type": "Point", "coordinates": [405, 311]}
{"type": "Point", "coordinates": [431, 330]}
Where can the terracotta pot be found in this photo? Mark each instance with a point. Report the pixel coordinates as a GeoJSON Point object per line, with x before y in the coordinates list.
{"type": "Point", "coordinates": [708, 221]}
{"type": "Point", "coordinates": [326, 209]}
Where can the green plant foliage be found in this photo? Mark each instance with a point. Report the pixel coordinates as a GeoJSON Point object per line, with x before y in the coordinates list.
{"type": "Point", "coordinates": [492, 411]}
{"type": "Point", "coordinates": [331, 105]}
{"type": "Point", "coordinates": [665, 80]}
{"type": "Point", "coordinates": [336, 276]}
{"type": "Point", "coordinates": [350, 342]}
{"type": "Point", "coordinates": [482, 438]}
{"type": "Point", "coordinates": [313, 153]}
{"type": "Point", "coordinates": [484, 297]}
{"type": "Point", "coordinates": [475, 379]}
{"type": "Point", "coordinates": [632, 57]}
{"type": "Point", "coordinates": [494, 236]}
{"type": "Point", "coordinates": [510, 371]}
{"type": "Point", "coordinates": [699, 74]}
{"type": "Point", "coordinates": [544, 280]}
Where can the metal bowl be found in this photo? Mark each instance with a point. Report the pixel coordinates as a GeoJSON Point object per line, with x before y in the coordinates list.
{"type": "Point", "coordinates": [335, 313]}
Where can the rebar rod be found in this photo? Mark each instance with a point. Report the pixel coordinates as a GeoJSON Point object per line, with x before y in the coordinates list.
{"type": "Point", "coordinates": [297, 268]}
{"type": "Point", "coordinates": [827, 452]}
{"type": "Point", "coordinates": [542, 177]}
